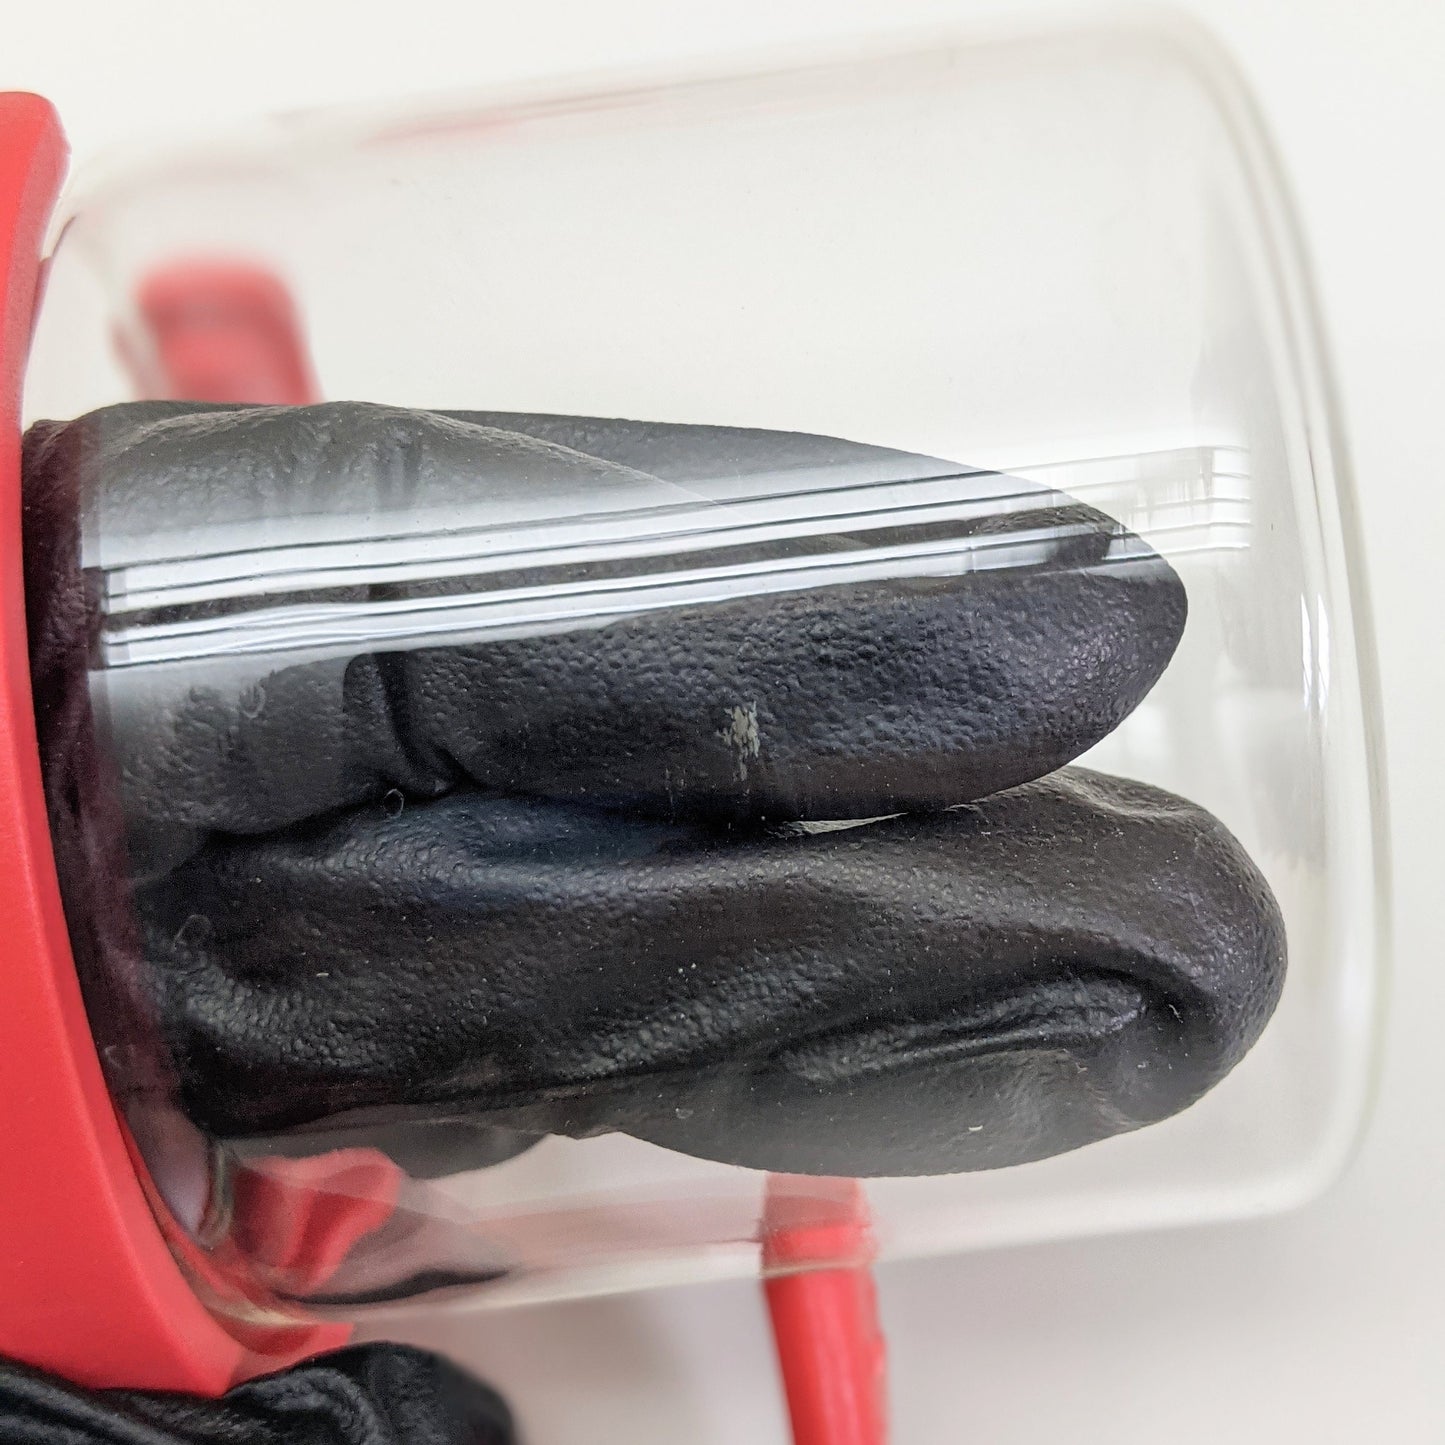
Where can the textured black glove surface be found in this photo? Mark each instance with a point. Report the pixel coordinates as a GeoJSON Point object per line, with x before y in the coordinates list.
{"type": "Point", "coordinates": [849, 700]}
{"type": "Point", "coordinates": [367, 1395]}
{"type": "Point", "coordinates": [922, 994]}
{"type": "Point", "coordinates": [549, 883]}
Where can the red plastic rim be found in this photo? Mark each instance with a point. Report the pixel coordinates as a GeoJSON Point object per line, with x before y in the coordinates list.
{"type": "Point", "coordinates": [89, 1288]}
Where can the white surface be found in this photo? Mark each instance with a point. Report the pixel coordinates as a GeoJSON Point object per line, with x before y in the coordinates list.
{"type": "Point", "coordinates": [1322, 1326]}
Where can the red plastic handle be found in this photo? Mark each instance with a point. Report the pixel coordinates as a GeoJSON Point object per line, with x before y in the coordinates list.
{"type": "Point", "coordinates": [825, 1320]}
{"type": "Point", "coordinates": [220, 331]}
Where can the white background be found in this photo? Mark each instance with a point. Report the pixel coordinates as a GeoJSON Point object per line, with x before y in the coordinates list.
{"type": "Point", "coordinates": [1323, 1326]}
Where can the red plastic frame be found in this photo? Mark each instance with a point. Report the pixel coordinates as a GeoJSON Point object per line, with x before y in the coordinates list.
{"type": "Point", "coordinates": [88, 1287]}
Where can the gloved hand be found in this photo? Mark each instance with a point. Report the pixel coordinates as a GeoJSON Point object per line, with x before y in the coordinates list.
{"type": "Point", "coordinates": [553, 878]}
{"type": "Point", "coordinates": [366, 1395]}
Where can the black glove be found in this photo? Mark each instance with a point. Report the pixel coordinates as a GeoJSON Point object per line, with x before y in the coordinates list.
{"type": "Point", "coordinates": [366, 1395]}
{"type": "Point", "coordinates": [550, 881]}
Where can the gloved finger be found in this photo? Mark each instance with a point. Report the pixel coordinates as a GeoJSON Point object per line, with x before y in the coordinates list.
{"type": "Point", "coordinates": [366, 1395]}
{"type": "Point", "coordinates": [309, 607]}
{"type": "Point", "coordinates": [921, 994]}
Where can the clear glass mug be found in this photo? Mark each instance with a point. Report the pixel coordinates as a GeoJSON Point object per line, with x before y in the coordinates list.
{"type": "Point", "coordinates": [1061, 260]}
